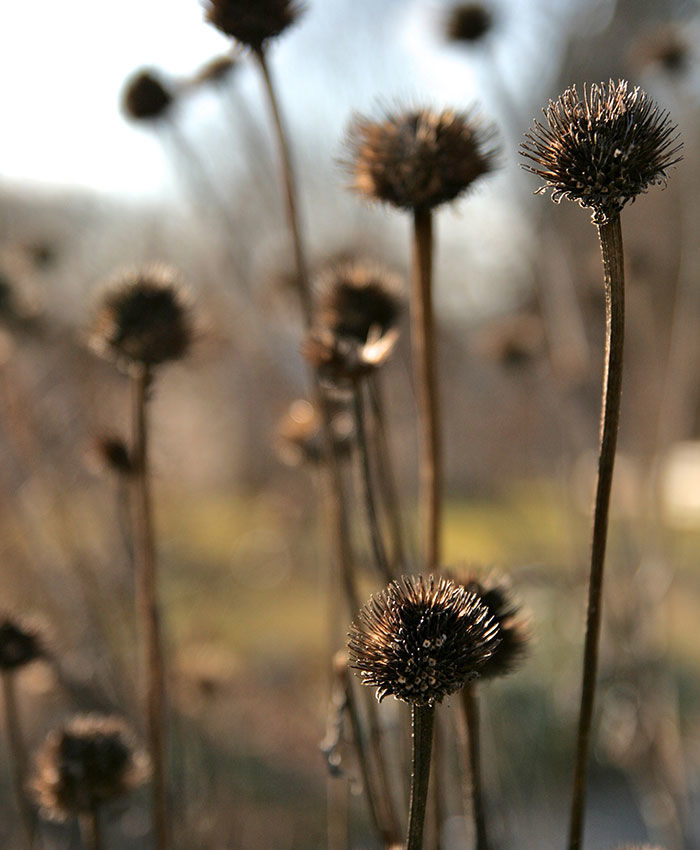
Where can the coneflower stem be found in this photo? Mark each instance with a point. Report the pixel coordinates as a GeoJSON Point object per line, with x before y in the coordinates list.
{"type": "Point", "coordinates": [387, 481]}
{"type": "Point", "coordinates": [470, 707]}
{"type": "Point", "coordinates": [380, 558]}
{"type": "Point", "coordinates": [422, 717]}
{"type": "Point", "coordinates": [18, 755]}
{"type": "Point", "coordinates": [289, 181]}
{"type": "Point", "coordinates": [90, 830]}
{"type": "Point", "coordinates": [147, 607]}
{"type": "Point", "coordinates": [425, 371]}
{"type": "Point", "coordinates": [610, 235]}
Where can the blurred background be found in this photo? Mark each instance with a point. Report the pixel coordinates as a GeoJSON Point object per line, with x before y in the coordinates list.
{"type": "Point", "coordinates": [245, 571]}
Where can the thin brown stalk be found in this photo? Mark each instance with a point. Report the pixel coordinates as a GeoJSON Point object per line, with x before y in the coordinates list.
{"type": "Point", "coordinates": [422, 717]}
{"type": "Point", "coordinates": [17, 752]}
{"type": "Point", "coordinates": [90, 831]}
{"type": "Point", "coordinates": [375, 533]}
{"type": "Point", "coordinates": [148, 609]}
{"type": "Point", "coordinates": [289, 181]}
{"type": "Point", "coordinates": [475, 796]}
{"type": "Point", "coordinates": [385, 470]}
{"type": "Point", "coordinates": [425, 371]}
{"type": "Point", "coordinates": [610, 235]}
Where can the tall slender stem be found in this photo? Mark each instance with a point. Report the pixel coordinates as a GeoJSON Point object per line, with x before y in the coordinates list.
{"type": "Point", "coordinates": [147, 607]}
{"type": "Point", "coordinates": [19, 760]}
{"type": "Point", "coordinates": [90, 831]}
{"type": "Point", "coordinates": [470, 707]}
{"type": "Point", "coordinates": [422, 717]}
{"type": "Point", "coordinates": [289, 181]}
{"type": "Point", "coordinates": [610, 236]}
{"type": "Point", "coordinates": [425, 371]}
{"type": "Point", "coordinates": [380, 558]}
{"type": "Point", "coordinates": [387, 481]}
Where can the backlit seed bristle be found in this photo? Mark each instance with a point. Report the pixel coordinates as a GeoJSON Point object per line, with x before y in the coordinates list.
{"type": "Point", "coordinates": [340, 360]}
{"type": "Point", "coordinates": [144, 318]}
{"type": "Point", "coordinates": [418, 159]}
{"type": "Point", "coordinates": [146, 97]}
{"type": "Point", "coordinates": [468, 23]}
{"type": "Point", "coordinates": [602, 150]}
{"type": "Point", "coordinates": [90, 761]}
{"type": "Point", "coordinates": [496, 595]}
{"type": "Point", "coordinates": [421, 639]}
{"type": "Point", "coordinates": [356, 296]}
{"type": "Point", "coordinates": [252, 23]}
{"type": "Point", "coordinates": [20, 642]}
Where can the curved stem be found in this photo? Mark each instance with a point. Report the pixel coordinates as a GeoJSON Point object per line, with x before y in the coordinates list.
{"type": "Point", "coordinates": [19, 760]}
{"type": "Point", "coordinates": [147, 607]}
{"type": "Point", "coordinates": [290, 193]}
{"type": "Point", "coordinates": [425, 371]}
{"type": "Point", "coordinates": [422, 717]}
{"type": "Point", "coordinates": [380, 558]}
{"type": "Point", "coordinates": [470, 707]}
{"type": "Point", "coordinates": [610, 235]}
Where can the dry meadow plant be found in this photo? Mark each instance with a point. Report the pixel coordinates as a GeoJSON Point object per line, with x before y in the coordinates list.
{"type": "Point", "coordinates": [143, 322]}
{"type": "Point", "coordinates": [601, 150]}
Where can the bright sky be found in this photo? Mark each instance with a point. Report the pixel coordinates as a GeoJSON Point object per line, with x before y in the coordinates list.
{"type": "Point", "coordinates": [62, 67]}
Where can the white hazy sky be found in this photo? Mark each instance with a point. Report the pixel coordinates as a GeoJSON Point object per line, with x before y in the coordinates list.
{"type": "Point", "coordinates": [63, 64]}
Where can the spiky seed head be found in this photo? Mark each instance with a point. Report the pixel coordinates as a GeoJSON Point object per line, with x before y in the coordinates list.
{"type": "Point", "coordinates": [299, 439]}
{"type": "Point", "coordinates": [112, 454]}
{"type": "Point", "coordinates": [417, 158]}
{"type": "Point", "coordinates": [146, 96]}
{"type": "Point", "coordinates": [601, 150]}
{"type": "Point", "coordinates": [89, 761]}
{"type": "Point", "coordinates": [144, 318]}
{"type": "Point", "coordinates": [341, 360]}
{"type": "Point", "coordinates": [468, 23]}
{"type": "Point", "coordinates": [252, 22]}
{"type": "Point", "coordinates": [421, 639]}
{"type": "Point", "coordinates": [356, 296]}
{"type": "Point", "coordinates": [495, 594]}
{"type": "Point", "coordinates": [20, 642]}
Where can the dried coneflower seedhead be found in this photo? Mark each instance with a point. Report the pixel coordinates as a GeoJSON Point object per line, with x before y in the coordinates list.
{"type": "Point", "coordinates": [468, 22]}
{"type": "Point", "coordinates": [112, 454]}
{"type": "Point", "coordinates": [421, 639]}
{"type": "Point", "coordinates": [340, 360]}
{"type": "Point", "coordinates": [20, 643]}
{"type": "Point", "coordinates": [299, 439]}
{"type": "Point", "coordinates": [144, 318]}
{"type": "Point", "coordinates": [146, 97]}
{"type": "Point", "coordinates": [513, 630]}
{"type": "Point", "coordinates": [602, 150]}
{"type": "Point", "coordinates": [90, 761]}
{"type": "Point", "coordinates": [418, 159]}
{"type": "Point", "coordinates": [357, 296]}
{"type": "Point", "coordinates": [252, 22]}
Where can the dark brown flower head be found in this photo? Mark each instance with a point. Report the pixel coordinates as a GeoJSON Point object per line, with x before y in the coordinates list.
{"type": "Point", "coordinates": [144, 318]}
{"type": "Point", "coordinates": [418, 159]}
{"type": "Point", "coordinates": [90, 761]}
{"type": "Point", "coordinates": [252, 22]}
{"type": "Point", "coordinates": [341, 360]}
{"type": "Point", "coordinates": [20, 642]}
{"type": "Point", "coordinates": [112, 454]}
{"type": "Point", "coordinates": [602, 150]}
{"type": "Point", "coordinates": [299, 439]}
{"type": "Point", "coordinates": [146, 97]}
{"type": "Point", "coordinates": [215, 71]}
{"type": "Point", "coordinates": [357, 296]}
{"type": "Point", "coordinates": [468, 22]}
{"type": "Point", "coordinates": [421, 639]}
{"type": "Point", "coordinates": [495, 594]}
